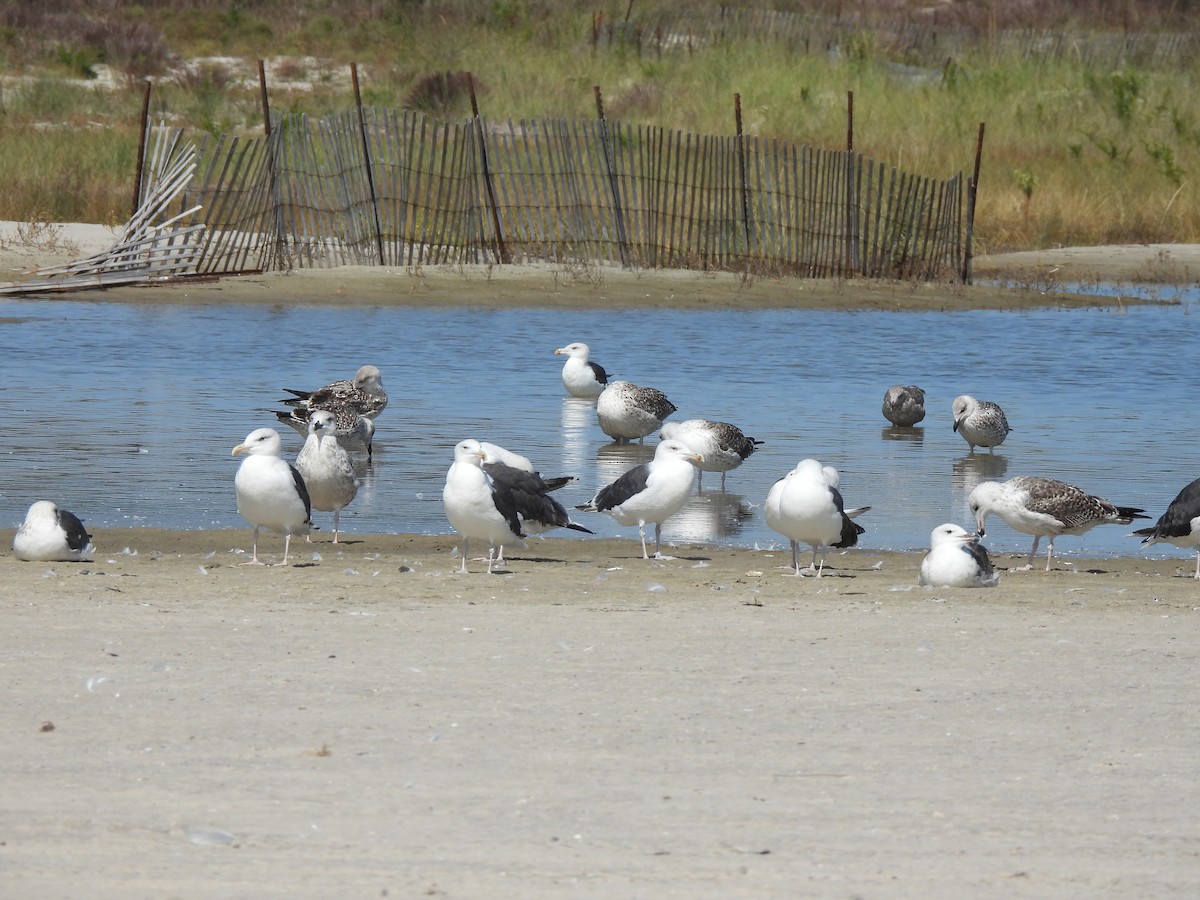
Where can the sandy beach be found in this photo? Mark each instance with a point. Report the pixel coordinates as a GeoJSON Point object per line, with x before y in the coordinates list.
{"type": "Point", "coordinates": [368, 722]}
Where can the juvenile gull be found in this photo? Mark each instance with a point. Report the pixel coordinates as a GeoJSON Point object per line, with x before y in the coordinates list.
{"type": "Point", "coordinates": [980, 422]}
{"type": "Point", "coordinates": [956, 559]}
{"type": "Point", "coordinates": [1180, 524]}
{"type": "Point", "coordinates": [651, 492]}
{"type": "Point", "coordinates": [270, 492]}
{"type": "Point", "coordinates": [580, 377]}
{"type": "Point", "coordinates": [723, 446]}
{"type": "Point", "coordinates": [1045, 507]}
{"type": "Point", "coordinates": [352, 430]}
{"type": "Point", "coordinates": [326, 468]}
{"type": "Point", "coordinates": [626, 411]}
{"type": "Point", "coordinates": [50, 534]}
{"type": "Point", "coordinates": [805, 505]}
{"type": "Point", "coordinates": [904, 405]}
{"type": "Point", "coordinates": [477, 506]}
{"type": "Point", "coordinates": [364, 394]}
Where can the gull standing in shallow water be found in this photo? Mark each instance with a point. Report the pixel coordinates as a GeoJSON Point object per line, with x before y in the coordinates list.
{"type": "Point", "coordinates": [270, 492]}
{"type": "Point", "coordinates": [980, 422]}
{"type": "Point", "coordinates": [580, 377]}
{"type": "Point", "coordinates": [50, 534]}
{"type": "Point", "coordinates": [956, 559]}
{"type": "Point", "coordinates": [365, 394]}
{"type": "Point", "coordinates": [904, 405]}
{"type": "Point", "coordinates": [651, 492]}
{"type": "Point", "coordinates": [1045, 507]}
{"type": "Point", "coordinates": [806, 505]}
{"type": "Point", "coordinates": [352, 431]}
{"type": "Point", "coordinates": [723, 446]}
{"type": "Point", "coordinates": [626, 411]}
{"type": "Point", "coordinates": [326, 468]}
{"type": "Point", "coordinates": [1180, 524]}
{"type": "Point", "coordinates": [477, 506]}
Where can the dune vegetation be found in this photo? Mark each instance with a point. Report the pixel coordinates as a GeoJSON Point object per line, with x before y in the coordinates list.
{"type": "Point", "coordinates": [1085, 144]}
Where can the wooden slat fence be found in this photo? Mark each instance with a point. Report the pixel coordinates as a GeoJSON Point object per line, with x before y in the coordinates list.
{"type": "Point", "coordinates": [397, 188]}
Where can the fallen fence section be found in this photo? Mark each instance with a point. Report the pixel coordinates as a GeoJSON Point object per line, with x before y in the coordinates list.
{"type": "Point", "coordinates": [400, 189]}
{"type": "Point", "coordinates": [147, 249]}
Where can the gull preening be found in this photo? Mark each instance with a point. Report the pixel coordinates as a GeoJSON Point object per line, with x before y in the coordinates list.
{"type": "Point", "coordinates": [326, 468]}
{"type": "Point", "coordinates": [651, 492]}
{"type": "Point", "coordinates": [626, 411]}
{"type": "Point", "coordinates": [477, 506]}
{"type": "Point", "coordinates": [806, 506]}
{"type": "Point", "coordinates": [529, 492]}
{"type": "Point", "coordinates": [980, 422]}
{"type": "Point", "coordinates": [1180, 524]}
{"type": "Point", "coordinates": [50, 534]}
{"type": "Point", "coordinates": [1045, 507]}
{"type": "Point", "coordinates": [956, 559]}
{"type": "Point", "coordinates": [270, 492]}
{"type": "Point", "coordinates": [723, 446]}
{"type": "Point", "coordinates": [904, 405]}
{"type": "Point", "coordinates": [580, 376]}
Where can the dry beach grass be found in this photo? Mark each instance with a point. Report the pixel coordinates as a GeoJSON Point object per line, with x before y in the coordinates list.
{"type": "Point", "coordinates": [590, 724]}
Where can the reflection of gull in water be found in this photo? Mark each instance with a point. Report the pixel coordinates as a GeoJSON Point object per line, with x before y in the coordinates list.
{"type": "Point", "coordinates": [896, 433]}
{"type": "Point", "coordinates": [708, 516]}
{"type": "Point", "coordinates": [969, 471]}
{"type": "Point", "coordinates": [614, 460]}
{"type": "Point", "coordinates": [577, 418]}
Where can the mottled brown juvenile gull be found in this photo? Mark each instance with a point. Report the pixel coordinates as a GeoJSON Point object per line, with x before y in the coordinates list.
{"type": "Point", "coordinates": [581, 377]}
{"type": "Point", "coordinates": [1180, 524]}
{"type": "Point", "coordinates": [723, 446]}
{"type": "Point", "coordinates": [805, 506]}
{"type": "Point", "coordinates": [904, 405]}
{"type": "Point", "coordinates": [626, 411]}
{"type": "Point", "coordinates": [980, 422]}
{"type": "Point", "coordinates": [364, 394]}
{"type": "Point", "coordinates": [352, 430]}
{"type": "Point", "coordinates": [270, 492]}
{"type": "Point", "coordinates": [1045, 507]}
{"type": "Point", "coordinates": [50, 534]}
{"type": "Point", "coordinates": [651, 492]}
{"type": "Point", "coordinates": [956, 559]}
{"type": "Point", "coordinates": [326, 468]}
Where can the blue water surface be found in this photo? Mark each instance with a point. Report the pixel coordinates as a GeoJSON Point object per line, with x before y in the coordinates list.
{"type": "Point", "coordinates": [126, 412]}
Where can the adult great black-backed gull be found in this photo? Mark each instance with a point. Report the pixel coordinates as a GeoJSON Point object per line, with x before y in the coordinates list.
{"type": "Point", "coordinates": [650, 492]}
{"type": "Point", "coordinates": [326, 468]}
{"type": "Point", "coordinates": [364, 394]}
{"type": "Point", "coordinates": [50, 534]}
{"type": "Point", "coordinates": [956, 559]}
{"type": "Point", "coordinates": [806, 505]}
{"type": "Point", "coordinates": [1180, 524]}
{"type": "Point", "coordinates": [530, 494]}
{"type": "Point", "coordinates": [270, 492]}
{"type": "Point", "coordinates": [626, 411]}
{"type": "Point", "coordinates": [477, 506]}
{"type": "Point", "coordinates": [980, 422]}
{"type": "Point", "coordinates": [1045, 507]}
{"type": "Point", "coordinates": [723, 446]}
{"type": "Point", "coordinates": [494, 453]}
{"type": "Point", "coordinates": [904, 405]}
{"type": "Point", "coordinates": [580, 377]}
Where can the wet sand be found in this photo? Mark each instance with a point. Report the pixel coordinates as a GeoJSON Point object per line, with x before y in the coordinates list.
{"type": "Point", "coordinates": [587, 723]}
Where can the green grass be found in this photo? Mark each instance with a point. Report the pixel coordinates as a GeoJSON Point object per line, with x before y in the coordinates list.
{"type": "Point", "coordinates": [1073, 154]}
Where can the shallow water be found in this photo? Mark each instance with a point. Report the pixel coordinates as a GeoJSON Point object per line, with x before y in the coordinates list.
{"type": "Point", "coordinates": [126, 413]}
